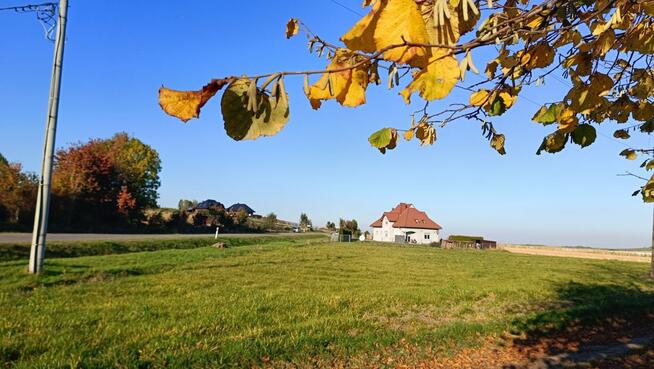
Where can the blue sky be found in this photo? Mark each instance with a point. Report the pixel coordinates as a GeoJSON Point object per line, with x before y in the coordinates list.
{"type": "Point", "coordinates": [119, 53]}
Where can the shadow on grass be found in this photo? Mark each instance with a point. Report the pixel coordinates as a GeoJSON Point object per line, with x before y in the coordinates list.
{"type": "Point", "coordinates": [592, 325]}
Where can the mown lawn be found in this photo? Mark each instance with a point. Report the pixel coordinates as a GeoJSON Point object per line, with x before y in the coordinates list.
{"type": "Point", "coordinates": [294, 300]}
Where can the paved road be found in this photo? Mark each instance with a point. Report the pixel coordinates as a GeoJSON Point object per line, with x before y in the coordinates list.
{"type": "Point", "coordinates": [27, 237]}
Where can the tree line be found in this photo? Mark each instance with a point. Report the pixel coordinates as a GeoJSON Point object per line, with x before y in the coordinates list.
{"type": "Point", "coordinates": [100, 185]}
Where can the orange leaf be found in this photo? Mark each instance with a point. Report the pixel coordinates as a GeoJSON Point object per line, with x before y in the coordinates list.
{"type": "Point", "coordinates": [187, 104]}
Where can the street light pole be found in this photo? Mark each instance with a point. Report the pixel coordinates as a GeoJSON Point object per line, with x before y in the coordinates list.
{"type": "Point", "coordinates": [37, 252]}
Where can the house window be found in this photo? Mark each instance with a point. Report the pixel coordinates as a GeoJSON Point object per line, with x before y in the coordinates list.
{"type": "Point", "coordinates": [426, 237]}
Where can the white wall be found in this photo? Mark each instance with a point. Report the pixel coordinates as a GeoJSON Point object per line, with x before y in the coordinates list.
{"type": "Point", "coordinates": [387, 233]}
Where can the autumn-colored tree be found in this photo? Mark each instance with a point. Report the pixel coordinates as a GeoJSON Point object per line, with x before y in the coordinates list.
{"type": "Point", "coordinates": [17, 194]}
{"type": "Point", "coordinates": [104, 182]}
{"type": "Point", "coordinates": [603, 48]}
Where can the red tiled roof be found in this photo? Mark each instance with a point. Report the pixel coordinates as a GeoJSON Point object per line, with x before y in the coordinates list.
{"type": "Point", "coordinates": [406, 216]}
{"type": "Point", "coordinates": [414, 218]}
{"type": "Point", "coordinates": [392, 215]}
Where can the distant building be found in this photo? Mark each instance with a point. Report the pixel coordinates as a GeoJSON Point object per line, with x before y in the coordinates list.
{"type": "Point", "coordinates": [238, 207]}
{"type": "Point", "coordinates": [210, 204]}
{"type": "Point", "coordinates": [406, 224]}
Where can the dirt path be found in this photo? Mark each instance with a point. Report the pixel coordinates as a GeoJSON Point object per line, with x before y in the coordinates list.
{"type": "Point", "coordinates": [641, 257]}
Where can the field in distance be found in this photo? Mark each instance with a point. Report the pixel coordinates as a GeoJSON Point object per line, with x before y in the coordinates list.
{"type": "Point", "coordinates": [296, 302]}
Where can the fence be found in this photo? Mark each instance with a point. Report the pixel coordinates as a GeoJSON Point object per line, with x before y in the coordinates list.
{"type": "Point", "coordinates": [337, 237]}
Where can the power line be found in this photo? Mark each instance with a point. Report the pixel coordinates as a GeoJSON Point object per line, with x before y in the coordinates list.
{"type": "Point", "coordinates": [346, 8]}
{"type": "Point", "coordinates": [45, 14]}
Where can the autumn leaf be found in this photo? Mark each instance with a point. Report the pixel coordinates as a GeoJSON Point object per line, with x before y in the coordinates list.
{"type": "Point", "coordinates": [292, 27]}
{"type": "Point", "coordinates": [436, 80]}
{"type": "Point", "coordinates": [584, 135]}
{"type": "Point", "coordinates": [408, 134]}
{"type": "Point", "coordinates": [629, 154]}
{"type": "Point", "coordinates": [426, 133]}
{"type": "Point", "coordinates": [187, 104]}
{"type": "Point", "coordinates": [348, 86]}
{"type": "Point", "coordinates": [553, 143]}
{"type": "Point", "coordinates": [497, 142]}
{"type": "Point", "coordinates": [268, 118]}
{"type": "Point", "coordinates": [391, 22]}
{"type": "Point", "coordinates": [621, 133]}
{"type": "Point", "coordinates": [479, 98]}
{"type": "Point", "coordinates": [385, 138]}
{"type": "Point", "coordinates": [548, 114]}
{"type": "Point", "coordinates": [538, 56]}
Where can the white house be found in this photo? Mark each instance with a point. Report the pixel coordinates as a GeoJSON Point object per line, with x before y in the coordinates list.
{"type": "Point", "coordinates": [405, 223]}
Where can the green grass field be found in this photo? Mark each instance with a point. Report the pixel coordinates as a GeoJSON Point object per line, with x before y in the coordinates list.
{"type": "Point", "coordinates": [296, 300]}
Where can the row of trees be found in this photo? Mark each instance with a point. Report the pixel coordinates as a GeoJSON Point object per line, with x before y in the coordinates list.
{"type": "Point", "coordinates": [17, 196]}
{"type": "Point", "coordinates": [104, 184]}
{"type": "Point", "coordinates": [350, 227]}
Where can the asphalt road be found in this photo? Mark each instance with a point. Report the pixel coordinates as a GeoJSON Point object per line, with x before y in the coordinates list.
{"type": "Point", "coordinates": [27, 237]}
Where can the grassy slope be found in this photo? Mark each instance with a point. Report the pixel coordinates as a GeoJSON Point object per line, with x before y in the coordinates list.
{"type": "Point", "coordinates": [291, 300]}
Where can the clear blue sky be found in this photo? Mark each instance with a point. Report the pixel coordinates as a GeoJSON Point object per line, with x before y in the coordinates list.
{"type": "Point", "coordinates": [119, 53]}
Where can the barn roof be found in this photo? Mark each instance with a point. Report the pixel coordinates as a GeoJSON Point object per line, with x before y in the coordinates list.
{"type": "Point", "coordinates": [407, 216]}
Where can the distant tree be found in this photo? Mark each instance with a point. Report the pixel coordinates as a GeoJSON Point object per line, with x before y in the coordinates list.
{"type": "Point", "coordinates": [331, 226]}
{"type": "Point", "coordinates": [241, 217]}
{"type": "Point", "coordinates": [17, 192]}
{"type": "Point", "coordinates": [305, 222]}
{"type": "Point", "coordinates": [105, 181]}
{"type": "Point", "coordinates": [350, 227]}
{"type": "Point", "coordinates": [184, 204]}
{"type": "Point", "coordinates": [270, 221]}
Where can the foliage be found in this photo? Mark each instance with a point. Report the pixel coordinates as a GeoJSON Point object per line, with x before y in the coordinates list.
{"type": "Point", "coordinates": [241, 217]}
{"type": "Point", "coordinates": [104, 182]}
{"type": "Point", "coordinates": [604, 48]}
{"type": "Point", "coordinates": [17, 194]}
{"type": "Point", "coordinates": [270, 221]}
{"type": "Point", "coordinates": [305, 223]}
{"type": "Point", "coordinates": [295, 300]}
{"type": "Point", "coordinates": [331, 226]}
{"type": "Point", "coordinates": [350, 227]}
{"type": "Point", "coordinates": [184, 204]}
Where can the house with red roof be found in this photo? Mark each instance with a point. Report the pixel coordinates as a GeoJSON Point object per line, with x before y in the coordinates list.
{"type": "Point", "coordinates": [405, 223]}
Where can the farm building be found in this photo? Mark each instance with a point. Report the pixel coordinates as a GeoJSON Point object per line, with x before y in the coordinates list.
{"type": "Point", "coordinates": [468, 242]}
{"type": "Point", "coordinates": [406, 224]}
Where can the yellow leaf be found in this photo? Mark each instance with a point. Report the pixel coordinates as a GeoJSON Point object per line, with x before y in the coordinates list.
{"type": "Point", "coordinates": [292, 27]}
{"type": "Point", "coordinates": [604, 43]}
{"type": "Point", "coordinates": [453, 28]}
{"type": "Point", "coordinates": [408, 135]}
{"type": "Point", "coordinates": [508, 98]}
{"type": "Point", "coordinates": [497, 142]}
{"type": "Point", "coordinates": [538, 56]}
{"type": "Point", "coordinates": [567, 120]}
{"type": "Point", "coordinates": [644, 112]}
{"type": "Point", "coordinates": [241, 123]}
{"type": "Point", "coordinates": [187, 104]}
{"type": "Point", "coordinates": [391, 22]}
{"type": "Point", "coordinates": [479, 98]}
{"type": "Point", "coordinates": [436, 80]}
{"type": "Point", "coordinates": [348, 87]}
